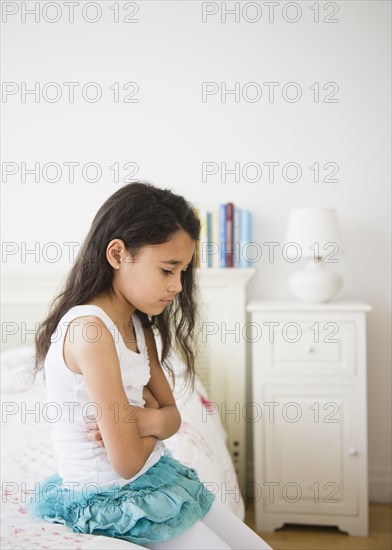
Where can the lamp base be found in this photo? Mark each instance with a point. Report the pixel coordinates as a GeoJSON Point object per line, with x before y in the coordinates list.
{"type": "Point", "coordinates": [315, 283]}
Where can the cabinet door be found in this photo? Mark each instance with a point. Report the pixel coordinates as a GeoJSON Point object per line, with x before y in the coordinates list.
{"type": "Point", "coordinates": [307, 450]}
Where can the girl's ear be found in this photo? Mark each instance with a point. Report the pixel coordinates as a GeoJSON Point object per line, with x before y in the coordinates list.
{"type": "Point", "coordinates": [115, 253]}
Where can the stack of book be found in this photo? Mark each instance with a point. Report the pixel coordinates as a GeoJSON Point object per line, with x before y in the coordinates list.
{"type": "Point", "coordinates": [225, 234]}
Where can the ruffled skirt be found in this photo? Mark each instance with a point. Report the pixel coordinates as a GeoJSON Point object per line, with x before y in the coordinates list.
{"type": "Point", "coordinates": [158, 505]}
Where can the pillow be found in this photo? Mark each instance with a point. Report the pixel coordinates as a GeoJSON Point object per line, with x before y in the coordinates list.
{"type": "Point", "coordinates": [17, 370]}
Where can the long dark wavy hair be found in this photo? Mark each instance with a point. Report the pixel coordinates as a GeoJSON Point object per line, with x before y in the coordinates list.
{"type": "Point", "coordinates": [139, 214]}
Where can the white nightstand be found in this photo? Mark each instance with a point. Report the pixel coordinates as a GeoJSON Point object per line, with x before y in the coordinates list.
{"type": "Point", "coordinates": [309, 414]}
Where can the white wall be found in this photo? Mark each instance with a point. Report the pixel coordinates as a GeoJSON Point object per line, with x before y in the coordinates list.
{"type": "Point", "coordinates": [170, 132]}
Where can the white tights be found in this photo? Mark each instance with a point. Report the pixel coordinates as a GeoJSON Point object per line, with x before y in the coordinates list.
{"type": "Point", "coordinates": [219, 529]}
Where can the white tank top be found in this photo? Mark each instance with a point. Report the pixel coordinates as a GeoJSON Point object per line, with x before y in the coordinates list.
{"type": "Point", "coordinates": [81, 461]}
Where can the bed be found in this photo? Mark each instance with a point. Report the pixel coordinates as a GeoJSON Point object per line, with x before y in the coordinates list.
{"type": "Point", "coordinates": [27, 453]}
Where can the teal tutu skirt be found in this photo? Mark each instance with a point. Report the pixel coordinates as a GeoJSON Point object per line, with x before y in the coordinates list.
{"type": "Point", "coordinates": [161, 503]}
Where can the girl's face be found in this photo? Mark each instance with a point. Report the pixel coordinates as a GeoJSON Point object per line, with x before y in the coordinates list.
{"type": "Point", "coordinates": [150, 281]}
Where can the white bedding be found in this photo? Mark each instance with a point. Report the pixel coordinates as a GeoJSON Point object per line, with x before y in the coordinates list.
{"type": "Point", "coordinates": [27, 457]}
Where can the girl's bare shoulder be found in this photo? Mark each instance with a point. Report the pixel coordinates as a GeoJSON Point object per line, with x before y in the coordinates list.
{"type": "Point", "coordinates": [87, 339]}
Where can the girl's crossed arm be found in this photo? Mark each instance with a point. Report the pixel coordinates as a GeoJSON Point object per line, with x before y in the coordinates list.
{"type": "Point", "coordinates": [160, 417]}
{"type": "Point", "coordinates": [98, 361]}
{"type": "Point", "coordinates": [166, 420]}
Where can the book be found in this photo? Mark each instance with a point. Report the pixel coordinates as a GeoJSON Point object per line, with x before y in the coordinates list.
{"type": "Point", "coordinates": [222, 235]}
{"type": "Point", "coordinates": [245, 237]}
{"type": "Point", "coordinates": [225, 235]}
{"type": "Point", "coordinates": [237, 244]}
{"type": "Point", "coordinates": [229, 234]}
{"type": "Point", "coordinates": [210, 243]}
{"type": "Point", "coordinates": [215, 238]}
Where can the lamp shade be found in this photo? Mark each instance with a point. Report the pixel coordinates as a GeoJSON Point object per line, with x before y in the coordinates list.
{"type": "Point", "coordinates": [307, 226]}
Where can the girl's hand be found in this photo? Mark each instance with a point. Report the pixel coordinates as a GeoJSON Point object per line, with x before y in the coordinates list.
{"type": "Point", "coordinates": [93, 433]}
{"type": "Point", "coordinates": [146, 419]}
{"type": "Point", "coordinates": [149, 398]}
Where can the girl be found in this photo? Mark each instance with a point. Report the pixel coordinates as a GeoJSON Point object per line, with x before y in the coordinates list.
{"type": "Point", "coordinates": [135, 271]}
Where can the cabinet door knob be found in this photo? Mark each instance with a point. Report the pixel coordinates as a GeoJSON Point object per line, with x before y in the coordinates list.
{"type": "Point", "coordinates": [352, 451]}
{"type": "Point", "coordinates": [309, 349]}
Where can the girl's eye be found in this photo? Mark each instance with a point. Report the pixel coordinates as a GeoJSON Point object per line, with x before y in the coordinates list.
{"type": "Point", "coordinates": [167, 272]}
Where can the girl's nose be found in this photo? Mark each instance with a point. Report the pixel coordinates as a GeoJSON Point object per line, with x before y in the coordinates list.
{"type": "Point", "coordinates": [175, 285]}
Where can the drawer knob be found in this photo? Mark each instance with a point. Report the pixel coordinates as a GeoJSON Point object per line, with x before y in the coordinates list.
{"type": "Point", "coordinates": [352, 451]}
{"type": "Point", "coordinates": [309, 349]}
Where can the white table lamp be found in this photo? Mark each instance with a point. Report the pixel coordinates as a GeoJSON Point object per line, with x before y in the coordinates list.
{"type": "Point", "coordinates": [314, 233]}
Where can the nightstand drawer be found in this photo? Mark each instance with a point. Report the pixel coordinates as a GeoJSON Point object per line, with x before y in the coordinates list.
{"type": "Point", "coordinates": [287, 350]}
{"type": "Point", "coordinates": [315, 347]}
